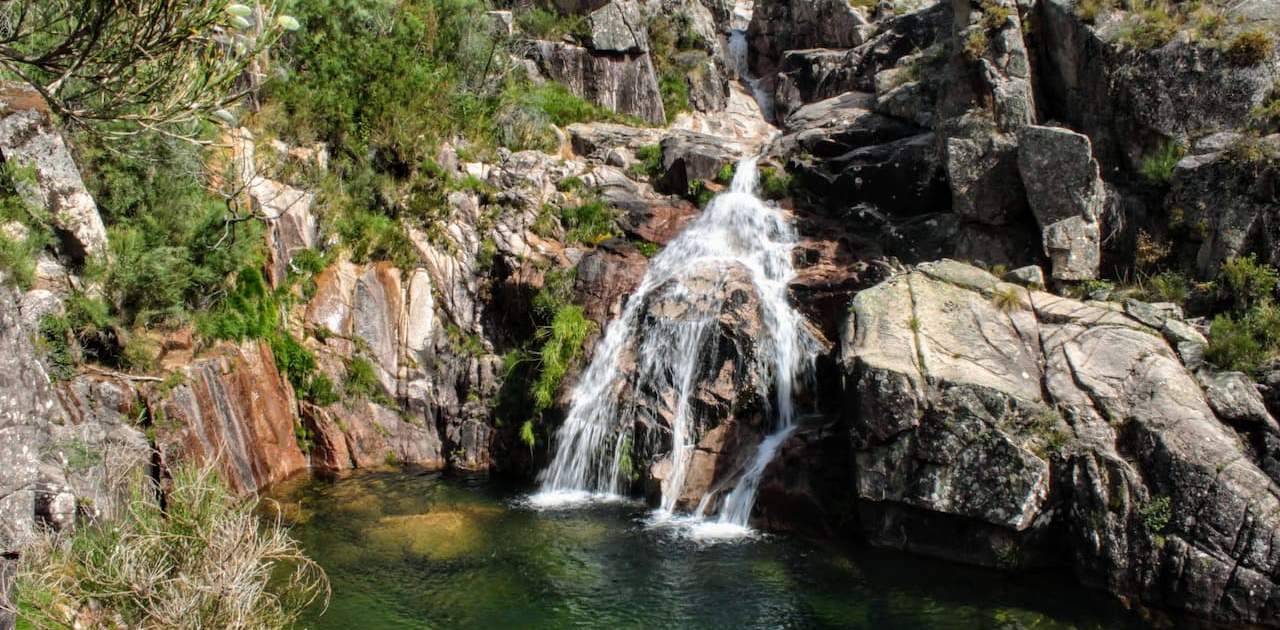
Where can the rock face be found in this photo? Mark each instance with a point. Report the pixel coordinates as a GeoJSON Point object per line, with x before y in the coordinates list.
{"type": "Point", "coordinates": [1128, 104]}
{"type": "Point", "coordinates": [237, 411]}
{"type": "Point", "coordinates": [1032, 423]}
{"type": "Point", "coordinates": [1234, 200]}
{"type": "Point", "coordinates": [618, 27]}
{"type": "Point", "coordinates": [1066, 194]}
{"type": "Point", "coordinates": [728, 391]}
{"type": "Point", "coordinates": [28, 140]}
{"type": "Point", "coordinates": [70, 449]}
{"type": "Point", "coordinates": [622, 82]}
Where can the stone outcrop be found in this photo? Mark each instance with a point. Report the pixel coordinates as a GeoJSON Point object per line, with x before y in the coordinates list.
{"type": "Point", "coordinates": [1234, 200]}
{"type": "Point", "coordinates": [618, 27]}
{"type": "Point", "coordinates": [622, 82]}
{"type": "Point", "coordinates": [235, 410]}
{"type": "Point", "coordinates": [1128, 104]}
{"type": "Point", "coordinates": [1032, 421]}
{"type": "Point", "coordinates": [71, 450]}
{"type": "Point", "coordinates": [47, 177]}
{"type": "Point", "coordinates": [1066, 195]}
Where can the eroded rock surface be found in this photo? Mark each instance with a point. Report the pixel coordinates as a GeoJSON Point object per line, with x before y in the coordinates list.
{"type": "Point", "coordinates": [1077, 419]}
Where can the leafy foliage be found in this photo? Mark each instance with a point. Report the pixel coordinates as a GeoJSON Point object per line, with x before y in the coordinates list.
{"type": "Point", "coordinates": [1247, 282]}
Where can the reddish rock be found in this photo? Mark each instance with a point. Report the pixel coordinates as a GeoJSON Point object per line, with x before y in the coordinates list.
{"type": "Point", "coordinates": [235, 408]}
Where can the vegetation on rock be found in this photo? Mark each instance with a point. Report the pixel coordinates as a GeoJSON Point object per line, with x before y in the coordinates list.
{"type": "Point", "coordinates": [202, 558]}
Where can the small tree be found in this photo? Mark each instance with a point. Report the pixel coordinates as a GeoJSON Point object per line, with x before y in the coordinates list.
{"type": "Point", "coordinates": [161, 65]}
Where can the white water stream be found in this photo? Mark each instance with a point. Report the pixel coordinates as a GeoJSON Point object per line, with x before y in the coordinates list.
{"type": "Point", "coordinates": [737, 229]}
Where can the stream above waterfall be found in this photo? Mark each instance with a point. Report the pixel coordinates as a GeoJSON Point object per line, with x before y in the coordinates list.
{"type": "Point", "coordinates": [409, 550]}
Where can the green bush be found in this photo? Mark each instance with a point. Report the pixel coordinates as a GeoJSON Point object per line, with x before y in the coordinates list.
{"type": "Point", "coordinates": [362, 381]}
{"type": "Point", "coordinates": [540, 23]}
{"type": "Point", "coordinates": [674, 90]}
{"type": "Point", "coordinates": [203, 558]}
{"type": "Point", "coordinates": [560, 350]}
{"type": "Point", "coordinates": [1246, 282]}
{"type": "Point", "coordinates": [1245, 342]}
{"type": "Point", "coordinates": [775, 184]}
{"type": "Point", "coordinates": [1169, 286]}
{"type": "Point", "coordinates": [590, 223]}
{"type": "Point", "coordinates": [1157, 167]}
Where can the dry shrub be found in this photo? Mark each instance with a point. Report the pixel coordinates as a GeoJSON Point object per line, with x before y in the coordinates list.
{"type": "Point", "coordinates": [203, 560]}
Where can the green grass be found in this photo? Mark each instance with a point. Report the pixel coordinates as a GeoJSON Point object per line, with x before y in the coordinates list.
{"type": "Point", "coordinates": [1157, 167]}
{"type": "Point", "coordinates": [590, 223]}
{"type": "Point", "coordinates": [362, 382]}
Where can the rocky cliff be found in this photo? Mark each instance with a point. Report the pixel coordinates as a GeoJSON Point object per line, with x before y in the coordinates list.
{"type": "Point", "coordinates": [957, 409]}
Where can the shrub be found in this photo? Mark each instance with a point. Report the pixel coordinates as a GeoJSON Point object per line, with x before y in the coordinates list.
{"type": "Point", "coordinates": [203, 559]}
{"type": "Point", "coordinates": [1247, 282]}
{"type": "Point", "coordinates": [561, 348]}
{"type": "Point", "coordinates": [1249, 48]}
{"type": "Point", "coordinates": [362, 381]}
{"type": "Point", "coordinates": [975, 44]}
{"type": "Point", "coordinates": [1244, 342]}
{"type": "Point", "coordinates": [1156, 514]}
{"type": "Point", "coordinates": [590, 223]}
{"type": "Point", "coordinates": [1169, 286]}
{"type": "Point", "coordinates": [370, 237]}
{"type": "Point", "coordinates": [675, 93]}
{"type": "Point", "coordinates": [540, 23]}
{"type": "Point", "coordinates": [1157, 167]}
{"type": "Point", "coordinates": [775, 184]}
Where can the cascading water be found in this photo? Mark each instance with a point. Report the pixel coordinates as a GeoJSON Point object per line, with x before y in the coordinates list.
{"type": "Point", "coordinates": [592, 447]}
{"type": "Point", "coordinates": [738, 50]}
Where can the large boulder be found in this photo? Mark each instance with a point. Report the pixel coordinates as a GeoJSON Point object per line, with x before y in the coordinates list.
{"type": "Point", "coordinates": [688, 157]}
{"type": "Point", "coordinates": [618, 27]}
{"type": "Point", "coordinates": [48, 177]}
{"type": "Point", "coordinates": [997, 425]}
{"type": "Point", "coordinates": [1066, 194]}
{"type": "Point", "coordinates": [621, 82]}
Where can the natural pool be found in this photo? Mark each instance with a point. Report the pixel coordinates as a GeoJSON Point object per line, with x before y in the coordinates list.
{"type": "Point", "coordinates": [406, 550]}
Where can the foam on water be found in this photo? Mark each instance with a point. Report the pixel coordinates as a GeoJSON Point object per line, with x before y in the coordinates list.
{"type": "Point", "coordinates": [592, 447]}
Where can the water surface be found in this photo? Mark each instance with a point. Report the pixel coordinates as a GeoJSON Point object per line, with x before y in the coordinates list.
{"type": "Point", "coordinates": [406, 550]}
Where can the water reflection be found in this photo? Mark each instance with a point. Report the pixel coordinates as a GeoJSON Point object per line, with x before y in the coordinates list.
{"type": "Point", "coordinates": [415, 550]}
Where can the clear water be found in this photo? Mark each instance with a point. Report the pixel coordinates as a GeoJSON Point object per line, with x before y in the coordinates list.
{"type": "Point", "coordinates": [737, 231]}
{"type": "Point", "coordinates": [405, 550]}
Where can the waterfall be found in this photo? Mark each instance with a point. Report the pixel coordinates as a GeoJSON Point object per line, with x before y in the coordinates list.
{"type": "Point", "coordinates": [738, 50]}
{"type": "Point", "coordinates": [737, 229]}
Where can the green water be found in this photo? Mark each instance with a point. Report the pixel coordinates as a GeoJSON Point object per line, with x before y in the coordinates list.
{"type": "Point", "coordinates": [406, 550]}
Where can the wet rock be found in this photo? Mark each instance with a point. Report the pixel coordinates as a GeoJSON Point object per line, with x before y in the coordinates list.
{"type": "Point", "coordinates": [28, 140]}
{"type": "Point", "coordinates": [1066, 195]}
